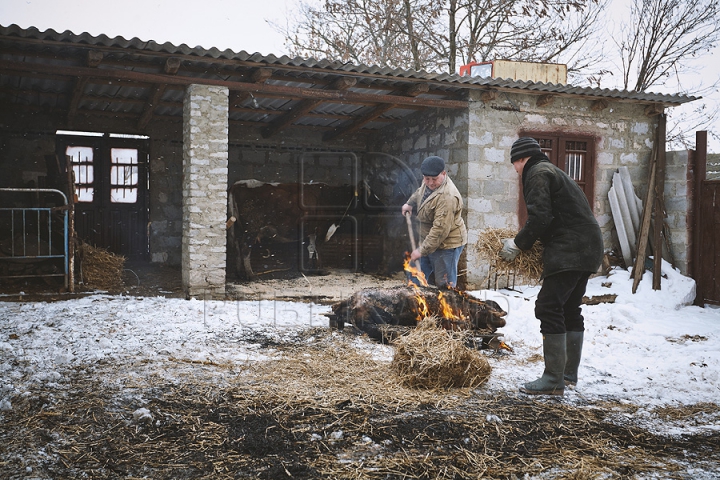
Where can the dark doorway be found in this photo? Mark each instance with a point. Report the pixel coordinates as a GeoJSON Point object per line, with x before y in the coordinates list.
{"type": "Point", "coordinates": [111, 191]}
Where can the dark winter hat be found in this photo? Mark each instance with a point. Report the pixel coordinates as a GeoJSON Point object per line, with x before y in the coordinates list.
{"type": "Point", "coordinates": [432, 166]}
{"type": "Point", "coordinates": [524, 147]}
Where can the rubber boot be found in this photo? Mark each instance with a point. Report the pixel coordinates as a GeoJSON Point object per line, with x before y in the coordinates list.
{"type": "Point", "coordinates": [551, 382]}
{"type": "Point", "coordinates": [574, 352]}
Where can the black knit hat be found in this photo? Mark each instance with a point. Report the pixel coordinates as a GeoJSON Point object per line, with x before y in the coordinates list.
{"type": "Point", "coordinates": [432, 166]}
{"type": "Point", "coordinates": [524, 147]}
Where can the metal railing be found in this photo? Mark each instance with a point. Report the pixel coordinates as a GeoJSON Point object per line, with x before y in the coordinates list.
{"type": "Point", "coordinates": [31, 233]}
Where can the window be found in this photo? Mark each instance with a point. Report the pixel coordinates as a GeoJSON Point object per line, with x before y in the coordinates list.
{"type": "Point", "coordinates": [82, 164]}
{"type": "Point", "coordinates": [575, 155]}
{"type": "Point", "coordinates": [123, 175]}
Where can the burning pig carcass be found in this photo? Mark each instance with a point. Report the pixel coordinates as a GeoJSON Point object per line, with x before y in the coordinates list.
{"type": "Point", "coordinates": [376, 310]}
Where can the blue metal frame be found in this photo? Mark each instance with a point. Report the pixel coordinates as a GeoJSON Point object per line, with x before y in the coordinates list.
{"type": "Point", "coordinates": [24, 212]}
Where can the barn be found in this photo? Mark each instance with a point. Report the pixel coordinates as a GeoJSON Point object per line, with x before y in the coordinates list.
{"type": "Point", "coordinates": [158, 134]}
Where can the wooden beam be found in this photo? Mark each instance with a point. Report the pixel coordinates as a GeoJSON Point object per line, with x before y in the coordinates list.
{"type": "Point", "coordinates": [599, 105]}
{"type": "Point", "coordinates": [77, 94]}
{"type": "Point", "coordinates": [94, 58]}
{"type": "Point", "coordinates": [545, 100]}
{"type": "Point", "coordinates": [172, 65]}
{"type": "Point", "coordinates": [327, 95]}
{"type": "Point", "coordinates": [155, 95]}
{"type": "Point", "coordinates": [659, 202]}
{"type": "Point", "coordinates": [699, 159]}
{"type": "Point", "coordinates": [639, 267]}
{"type": "Point", "coordinates": [654, 109]}
{"type": "Point", "coordinates": [303, 107]}
{"type": "Point", "coordinates": [259, 75]}
{"type": "Point", "coordinates": [357, 124]}
{"type": "Point", "coordinates": [488, 95]}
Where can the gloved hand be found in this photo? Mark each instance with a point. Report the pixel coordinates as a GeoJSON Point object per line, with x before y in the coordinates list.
{"type": "Point", "coordinates": [509, 250]}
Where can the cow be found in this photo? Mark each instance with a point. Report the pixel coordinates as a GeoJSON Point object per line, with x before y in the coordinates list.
{"type": "Point", "coordinates": [292, 218]}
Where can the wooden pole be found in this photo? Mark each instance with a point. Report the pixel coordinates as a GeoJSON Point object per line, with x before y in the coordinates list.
{"type": "Point", "coordinates": [639, 267]}
{"type": "Point", "coordinates": [408, 217]}
{"type": "Point", "coordinates": [659, 202]}
{"type": "Point", "coordinates": [71, 227]}
{"type": "Point", "coordinates": [700, 174]}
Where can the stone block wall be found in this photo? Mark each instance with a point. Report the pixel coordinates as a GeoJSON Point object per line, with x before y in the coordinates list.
{"type": "Point", "coordinates": [166, 220]}
{"type": "Point", "coordinates": [623, 136]}
{"type": "Point", "coordinates": [677, 206]}
{"type": "Point", "coordinates": [204, 187]}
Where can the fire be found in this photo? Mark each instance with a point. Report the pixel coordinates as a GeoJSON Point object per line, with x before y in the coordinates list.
{"type": "Point", "coordinates": [414, 272]}
{"type": "Point", "coordinates": [446, 311]}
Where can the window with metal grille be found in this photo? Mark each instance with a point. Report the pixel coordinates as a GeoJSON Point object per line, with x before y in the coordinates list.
{"type": "Point", "coordinates": [123, 175]}
{"type": "Point", "coordinates": [84, 172]}
{"type": "Point", "coordinates": [574, 155]}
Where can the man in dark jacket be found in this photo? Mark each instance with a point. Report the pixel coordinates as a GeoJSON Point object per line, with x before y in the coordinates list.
{"type": "Point", "coordinates": [560, 217]}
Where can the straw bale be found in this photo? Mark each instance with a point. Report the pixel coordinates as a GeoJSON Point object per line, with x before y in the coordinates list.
{"type": "Point", "coordinates": [433, 358]}
{"type": "Point", "coordinates": [527, 265]}
{"type": "Point", "coordinates": [100, 268]}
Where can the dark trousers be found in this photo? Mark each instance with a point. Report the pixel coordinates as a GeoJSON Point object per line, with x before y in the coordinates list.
{"type": "Point", "coordinates": [558, 303]}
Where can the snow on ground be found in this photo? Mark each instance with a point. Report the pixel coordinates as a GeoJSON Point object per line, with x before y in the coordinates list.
{"type": "Point", "coordinates": [648, 349]}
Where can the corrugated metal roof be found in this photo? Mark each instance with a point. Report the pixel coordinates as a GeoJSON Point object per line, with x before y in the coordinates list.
{"type": "Point", "coordinates": [336, 66]}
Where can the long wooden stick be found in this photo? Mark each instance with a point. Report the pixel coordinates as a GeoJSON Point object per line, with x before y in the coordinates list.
{"type": "Point", "coordinates": [639, 267]}
{"type": "Point", "coordinates": [408, 217]}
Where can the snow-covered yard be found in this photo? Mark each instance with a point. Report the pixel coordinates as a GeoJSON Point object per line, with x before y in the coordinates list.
{"type": "Point", "coordinates": [90, 385]}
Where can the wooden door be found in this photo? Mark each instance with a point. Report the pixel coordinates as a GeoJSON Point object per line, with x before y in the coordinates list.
{"type": "Point", "coordinates": [708, 269]}
{"type": "Point", "coordinates": [111, 180]}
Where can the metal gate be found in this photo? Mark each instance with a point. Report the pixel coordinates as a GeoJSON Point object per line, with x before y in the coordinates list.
{"type": "Point", "coordinates": [34, 239]}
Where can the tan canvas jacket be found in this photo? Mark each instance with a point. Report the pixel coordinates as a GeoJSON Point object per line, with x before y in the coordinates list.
{"type": "Point", "coordinates": [440, 217]}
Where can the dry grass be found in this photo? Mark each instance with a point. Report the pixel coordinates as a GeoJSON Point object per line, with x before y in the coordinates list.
{"type": "Point", "coordinates": [527, 265]}
{"type": "Point", "coordinates": [100, 268]}
{"type": "Point", "coordinates": [434, 358]}
{"type": "Point", "coordinates": [323, 408]}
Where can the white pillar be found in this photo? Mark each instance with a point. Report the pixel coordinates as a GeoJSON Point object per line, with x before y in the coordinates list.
{"type": "Point", "coordinates": [205, 179]}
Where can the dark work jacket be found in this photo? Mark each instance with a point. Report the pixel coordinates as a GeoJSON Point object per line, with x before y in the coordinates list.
{"type": "Point", "coordinates": [561, 218]}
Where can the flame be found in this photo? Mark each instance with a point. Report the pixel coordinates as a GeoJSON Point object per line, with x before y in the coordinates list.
{"type": "Point", "coordinates": [447, 312]}
{"type": "Point", "coordinates": [422, 307]}
{"type": "Point", "coordinates": [414, 272]}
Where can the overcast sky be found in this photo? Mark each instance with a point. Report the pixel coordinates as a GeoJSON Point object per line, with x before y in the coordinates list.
{"type": "Point", "coordinates": [234, 24]}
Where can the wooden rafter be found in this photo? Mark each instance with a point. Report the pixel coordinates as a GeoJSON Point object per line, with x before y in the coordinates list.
{"type": "Point", "coordinates": [171, 67]}
{"type": "Point", "coordinates": [303, 107]}
{"type": "Point", "coordinates": [259, 75]}
{"type": "Point", "coordinates": [310, 93]}
{"type": "Point", "coordinates": [413, 91]}
{"type": "Point", "coordinates": [77, 94]}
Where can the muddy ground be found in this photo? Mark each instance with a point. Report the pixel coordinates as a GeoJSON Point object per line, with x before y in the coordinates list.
{"type": "Point", "coordinates": [322, 409]}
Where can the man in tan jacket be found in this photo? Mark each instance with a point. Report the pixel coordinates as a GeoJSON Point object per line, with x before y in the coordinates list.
{"type": "Point", "coordinates": [438, 206]}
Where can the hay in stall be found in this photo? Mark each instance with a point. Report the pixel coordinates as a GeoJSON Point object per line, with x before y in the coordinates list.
{"type": "Point", "coordinates": [527, 265]}
{"type": "Point", "coordinates": [432, 358]}
{"type": "Point", "coordinates": [99, 268]}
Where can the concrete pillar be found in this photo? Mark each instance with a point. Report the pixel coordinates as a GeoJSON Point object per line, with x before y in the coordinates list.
{"type": "Point", "coordinates": [204, 185]}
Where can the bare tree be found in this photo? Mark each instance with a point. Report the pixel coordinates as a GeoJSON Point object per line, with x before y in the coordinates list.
{"type": "Point", "coordinates": [657, 47]}
{"type": "Point", "coordinates": [435, 35]}
{"type": "Point", "coordinates": [662, 35]}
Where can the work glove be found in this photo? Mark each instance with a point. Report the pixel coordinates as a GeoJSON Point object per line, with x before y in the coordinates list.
{"type": "Point", "coordinates": [509, 250]}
